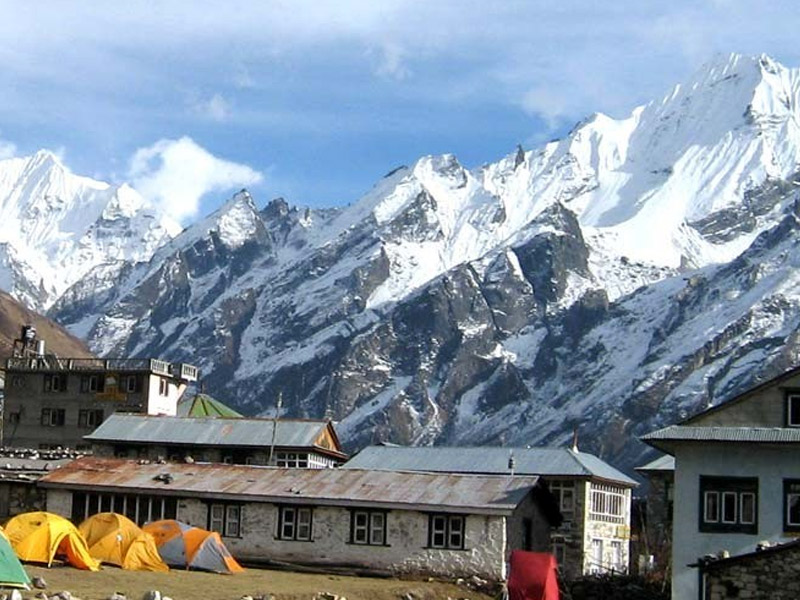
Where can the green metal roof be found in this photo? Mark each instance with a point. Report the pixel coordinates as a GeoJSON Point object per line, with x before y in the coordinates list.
{"type": "Point", "coordinates": [203, 405]}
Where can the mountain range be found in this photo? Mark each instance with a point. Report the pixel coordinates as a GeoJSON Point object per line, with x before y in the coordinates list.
{"type": "Point", "coordinates": [609, 282]}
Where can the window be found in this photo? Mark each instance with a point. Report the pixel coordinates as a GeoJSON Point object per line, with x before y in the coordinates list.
{"type": "Point", "coordinates": [225, 519]}
{"type": "Point", "coordinates": [138, 508]}
{"type": "Point", "coordinates": [55, 382]}
{"type": "Point", "coordinates": [596, 564]}
{"type": "Point", "coordinates": [791, 500]}
{"type": "Point", "coordinates": [728, 504]}
{"type": "Point", "coordinates": [92, 383]}
{"type": "Point", "coordinates": [53, 417]}
{"type": "Point", "coordinates": [292, 460]}
{"type": "Point", "coordinates": [607, 503]}
{"type": "Point", "coordinates": [90, 418]}
{"type": "Point", "coordinates": [564, 493]}
{"type": "Point", "coordinates": [793, 408]}
{"type": "Point", "coordinates": [368, 527]}
{"type": "Point", "coordinates": [131, 383]}
{"type": "Point", "coordinates": [446, 531]}
{"type": "Point", "coordinates": [294, 523]}
{"type": "Point", "coordinates": [618, 557]}
{"type": "Point", "coordinates": [13, 418]}
{"type": "Point", "coordinates": [163, 387]}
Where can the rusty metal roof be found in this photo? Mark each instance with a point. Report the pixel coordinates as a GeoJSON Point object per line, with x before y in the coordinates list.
{"type": "Point", "coordinates": [479, 494]}
{"type": "Point", "coordinates": [203, 431]}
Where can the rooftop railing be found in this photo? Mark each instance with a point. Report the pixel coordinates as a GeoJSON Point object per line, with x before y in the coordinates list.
{"type": "Point", "coordinates": [54, 363]}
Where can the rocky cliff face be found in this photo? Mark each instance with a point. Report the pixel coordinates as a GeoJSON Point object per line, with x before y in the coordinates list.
{"type": "Point", "coordinates": [609, 282]}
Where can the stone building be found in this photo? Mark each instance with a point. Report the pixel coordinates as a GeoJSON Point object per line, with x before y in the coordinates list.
{"type": "Point", "coordinates": [282, 442]}
{"type": "Point", "coordinates": [415, 523]}
{"type": "Point", "coordinates": [767, 572]}
{"type": "Point", "coordinates": [20, 469]}
{"type": "Point", "coordinates": [656, 533]}
{"type": "Point", "coordinates": [52, 402]}
{"type": "Point", "coordinates": [593, 497]}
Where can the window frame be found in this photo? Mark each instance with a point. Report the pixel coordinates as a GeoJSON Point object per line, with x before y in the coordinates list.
{"type": "Point", "coordinates": [226, 524]}
{"type": "Point", "coordinates": [791, 487]}
{"type": "Point", "coordinates": [93, 383]}
{"type": "Point", "coordinates": [53, 417]}
{"type": "Point", "coordinates": [55, 383]}
{"type": "Point", "coordinates": [447, 531]}
{"type": "Point", "coordinates": [370, 529]}
{"type": "Point", "coordinates": [90, 418]}
{"type": "Point", "coordinates": [734, 501]}
{"type": "Point", "coordinates": [296, 511]}
{"type": "Point", "coordinates": [790, 395]}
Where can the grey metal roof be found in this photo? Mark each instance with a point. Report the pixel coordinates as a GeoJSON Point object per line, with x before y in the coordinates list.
{"type": "Point", "coordinates": [487, 460]}
{"type": "Point", "coordinates": [334, 487]}
{"type": "Point", "coordinates": [664, 462]}
{"type": "Point", "coordinates": [202, 431]}
{"type": "Point", "coordinates": [664, 438]}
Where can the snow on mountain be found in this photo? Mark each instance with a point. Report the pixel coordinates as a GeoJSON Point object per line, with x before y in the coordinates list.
{"type": "Point", "coordinates": [609, 281]}
{"type": "Point", "coordinates": [57, 226]}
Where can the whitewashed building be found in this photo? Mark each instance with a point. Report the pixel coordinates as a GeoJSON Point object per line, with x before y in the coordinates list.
{"type": "Point", "coordinates": [593, 497]}
{"type": "Point", "coordinates": [415, 523]}
{"type": "Point", "coordinates": [737, 477]}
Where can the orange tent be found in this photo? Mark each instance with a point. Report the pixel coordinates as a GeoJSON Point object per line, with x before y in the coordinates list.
{"type": "Point", "coordinates": [115, 539]}
{"type": "Point", "coordinates": [182, 545]}
{"type": "Point", "coordinates": [40, 536]}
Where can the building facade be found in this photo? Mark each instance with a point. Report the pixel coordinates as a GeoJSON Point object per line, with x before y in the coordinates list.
{"type": "Point", "coordinates": [414, 523]}
{"type": "Point", "coordinates": [53, 402]}
{"type": "Point", "coordinates": [593, 497]}
{"type": "Point", "coordinates": [737, 477]}
{"type": "Point", "coordinates": [243, 441]}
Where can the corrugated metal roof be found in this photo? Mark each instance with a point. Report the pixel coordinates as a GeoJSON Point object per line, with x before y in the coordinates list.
{"type": "Point", "coordinates": [148, 429]}
{"type": "Point", "coordinates": [662, 463]}
{"type": "Point", "coordinates": [339, 487]}
{"type": "Point", "coordinates": [685, 433]}
{"type": "Point", "coordinates": [203, 405]}
{"type": "Point", "coordinates": [487, 460]}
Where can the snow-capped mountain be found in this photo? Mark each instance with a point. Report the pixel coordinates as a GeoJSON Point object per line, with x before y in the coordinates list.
{"type": "Point", "coordinates": [58, 226]}
{"type": "Point", "coordinates": [608, 282]}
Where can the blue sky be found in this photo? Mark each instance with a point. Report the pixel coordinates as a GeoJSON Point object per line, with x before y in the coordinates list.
{"type": "Point", "coordinates": [316, 100]}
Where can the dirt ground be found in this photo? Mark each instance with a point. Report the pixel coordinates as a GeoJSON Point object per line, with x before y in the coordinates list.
{"type": "Point", "coordinates": [193, 585]}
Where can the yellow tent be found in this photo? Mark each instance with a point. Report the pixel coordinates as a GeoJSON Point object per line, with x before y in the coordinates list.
{"type": "Point", "coordinates": [40, 536]}
{"type": "Point", "coordinates": [115, 539]}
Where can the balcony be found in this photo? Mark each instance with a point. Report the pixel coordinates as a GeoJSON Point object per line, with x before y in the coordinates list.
{"type": "Point", "coordinates": [146, 365]}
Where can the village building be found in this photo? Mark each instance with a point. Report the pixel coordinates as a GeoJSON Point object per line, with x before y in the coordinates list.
{"type": "Point", "coordinates": [52, 402]}
{"type": "Point", "coordinates": [416, 523]}
{"type": "Point", "coordinates": [593, 497]}
{"type": "Point", "coordinates": [245, 441]}
{"type": "Point", "coordinates": [656, 530]}
{"type": "Point", "coordinates": [737, 477]}
{"type": "Point", "coordinates": [20, 469]}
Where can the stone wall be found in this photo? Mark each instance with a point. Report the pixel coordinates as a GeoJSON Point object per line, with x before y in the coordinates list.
{"type": "Point", "coordinates": [773, 573]}
{"type": "Point", "coordinates": [18, 497]}
{"type": "Point", "coordinates": [406, 550]}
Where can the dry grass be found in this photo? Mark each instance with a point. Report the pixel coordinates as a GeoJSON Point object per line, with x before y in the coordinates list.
{"type": "Point", "coordinates": [191, 585]}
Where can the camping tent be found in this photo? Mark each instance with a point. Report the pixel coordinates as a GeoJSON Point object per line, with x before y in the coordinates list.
{"type": "Point", "coordinates": [115, 539]}
{"type": "Point", "coordinates": [182, 545]}
{"type": "Point", "coordinates": [39, 536]}
{"type": "Point", "coordinates": [532, 576]}
{"type": "Point", "coordinates": [12, 574]}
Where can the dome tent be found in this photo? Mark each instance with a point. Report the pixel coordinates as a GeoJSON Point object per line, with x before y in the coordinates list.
{"type": "Point", "coordinates": [113, 538]}
{"type": "Point", "coordinates": [182, 545]}
{"type": "Point", "coordinates": [40, 536]}
{"type": "Point", "coordinates": [12, 573]}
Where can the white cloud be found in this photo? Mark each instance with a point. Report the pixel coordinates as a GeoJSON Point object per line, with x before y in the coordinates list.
{"type": "Point", "coordinates": [392, 62]}
{"type": "Point", "coordinates": [7, 149]}
{"type": "Point", "coordinates": [216, 108]}
{"type": "Point", "coordinates": [176, 174]}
